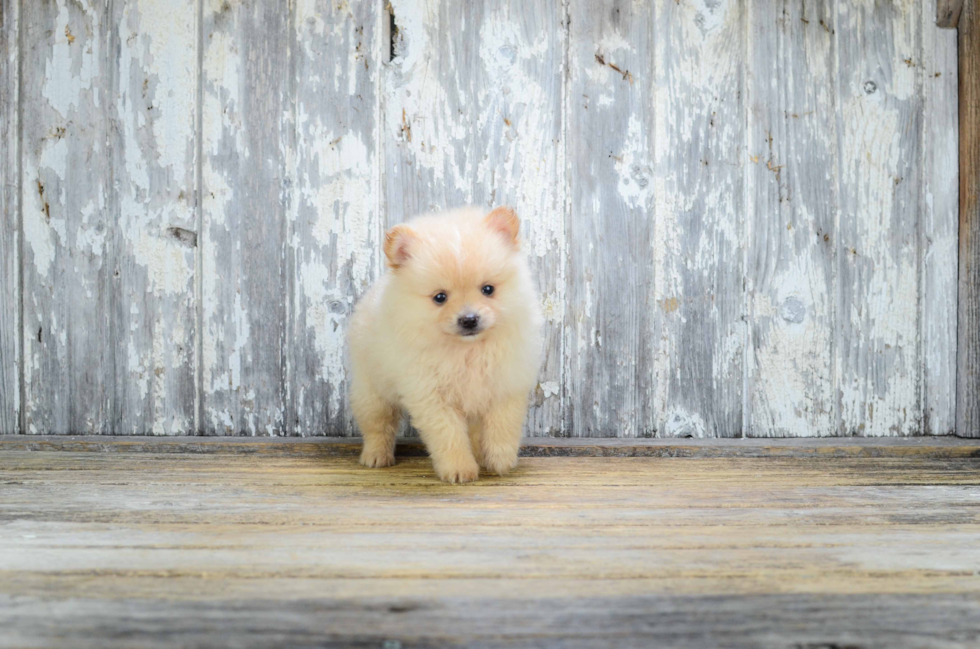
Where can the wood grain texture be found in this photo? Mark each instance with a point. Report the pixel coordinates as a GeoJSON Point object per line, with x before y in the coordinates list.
{"type": "Point", "coordinates": [152, 74]}
{"type": "Point", "coordinates": [68, 263]}
{"type": "Point", "coordinates": [473, 114]}
{"type": "Point", "coordinates": [175, 549]}
{"type": "Point", "coordinates": [947, 13]}
{"type": "Point", "coordinates": [334, 246]}
{"type": "Point", "coordinates": [10, 299]}
{"type": "Point", "coordinates": [937, 226]}
{"type": "Point", "coordinates": [880, 122]}
{"type": "Point", "coordinates": [610, 339]}
{"type": "Point", "coordinates": [244, 287]}
{"type": "Point", "coordinates": [700, 210]}
{"type": "Point", "coordinates": [968, 348]}
{"type": "Point", "coordinates": [791, 271]}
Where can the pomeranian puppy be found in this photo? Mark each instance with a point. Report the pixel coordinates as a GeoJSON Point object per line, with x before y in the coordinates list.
{"type": "Point", "coordinates": [451, 334]}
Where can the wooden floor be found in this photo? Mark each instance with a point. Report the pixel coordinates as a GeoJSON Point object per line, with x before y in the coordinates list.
{"type": "Point", "coordinates": [186, 543]}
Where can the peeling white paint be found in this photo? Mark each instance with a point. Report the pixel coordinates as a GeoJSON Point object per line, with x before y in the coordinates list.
{"type": "Point", "coordinates": [74, 64]}
{"type": "Point", "coordinates": [550, 389]}
{"type": "Point", "coordinates": [478, 113]}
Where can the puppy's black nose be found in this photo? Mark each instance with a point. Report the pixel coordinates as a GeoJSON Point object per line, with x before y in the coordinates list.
{"type": "Point", "coordinates": [468, 322]}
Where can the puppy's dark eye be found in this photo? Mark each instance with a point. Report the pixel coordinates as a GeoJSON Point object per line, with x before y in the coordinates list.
{"type": "Point", "coordinates": [440, 298]}
{"type": "Point", "coordinates": [487, 290]}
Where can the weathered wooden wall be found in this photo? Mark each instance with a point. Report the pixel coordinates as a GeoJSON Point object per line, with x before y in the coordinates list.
{"type": "Point", "coordinates": [741, 213]}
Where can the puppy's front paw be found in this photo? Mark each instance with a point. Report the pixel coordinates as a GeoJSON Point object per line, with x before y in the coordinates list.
{"type": "Point", "coordinates": [499, 460]}
{"type": "Point", "coordinates": [458, 472]}
{"type": "Point", "coordinates": [377, 458]}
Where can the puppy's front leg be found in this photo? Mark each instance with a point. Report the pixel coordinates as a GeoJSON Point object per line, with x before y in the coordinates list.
{"type": "Point", "coordinates": [378, 421]}
{"type": "Point", "coordinates": [444, 432]}
{"type": "Point", "coordinates": [502, 428]}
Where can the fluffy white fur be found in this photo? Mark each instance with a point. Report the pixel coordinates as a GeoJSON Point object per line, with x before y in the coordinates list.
{"type": "Point", "coordinates": [466, 394]}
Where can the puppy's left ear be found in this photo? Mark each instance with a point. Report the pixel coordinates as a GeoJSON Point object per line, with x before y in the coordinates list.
{"type": "Point", "coordinates": [504, 220]}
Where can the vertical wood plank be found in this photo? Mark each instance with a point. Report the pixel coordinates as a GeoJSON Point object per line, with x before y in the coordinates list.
{"type": "Point", "coordinates": [335, 225]}
{"type": "Point", "coordinates": [472, 109]}
{"type": "Point", "coordinates": [610, 338]}
{"type": "Point", "coordinates": [10, 361]}
{"type": "Point", "coordinates": [880, 122]}
{"type": "Point", "coordinates": [938, 231]}
{"type": "Point", "coordinates": [243, 284]}
{"type": "Point", "coordinates": [700, 210]}
{"type": "Point", "coordinates": [67, 263]}
{"type": "Point", "coordinates": [152, 76]}
{"type": "Point", "coordinates": [968, 349]}
{"type": "Point", "coordinates": [792, 146]}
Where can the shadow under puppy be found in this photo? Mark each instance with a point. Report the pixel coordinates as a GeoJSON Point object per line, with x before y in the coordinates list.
{"type": "Point", "coordinates": [451, 335]}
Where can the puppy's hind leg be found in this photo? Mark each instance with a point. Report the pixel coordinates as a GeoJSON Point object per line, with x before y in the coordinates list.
{"type": "Point", "coordinates": [378, 421]}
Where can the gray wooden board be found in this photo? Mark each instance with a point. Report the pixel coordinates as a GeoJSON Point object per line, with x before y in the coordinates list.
{"type": "Point", "coordinates": [791, 272]}
{"type": "Point", "coordinates": [244, 288]}
{"type": "Point", "coordinates": [334, 239]}
{"type": "Point", "coordinates": [69, 265]}
{"type": "Point", "coordinates": [10, 301]}
{"type": "Point", "coordinates": [699, 65]}
{"type": "Point", "coordinates": [151, 79]}
{"type": "Point", "coordinates": [938, 226]}
{"type": "Point", "coordinates": [879, 125]}
{"type": "Point", "coordinates": [752, 622]}
{"type": "Point", "coordinates": [740, 215]}
{"type": "Point", "coordinates": [610, 336]}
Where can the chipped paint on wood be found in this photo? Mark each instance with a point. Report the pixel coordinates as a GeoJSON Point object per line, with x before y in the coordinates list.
{"type": "Point", "coordinates": [938, 202]}
{"type": "Point", "coordinates": [700, 215]}
{"type": "Point", "coordinates": [740, 219]}
{"type": "Point", "coordinates": [334, 234]}
{"type": "Point", "coordinates": [153, 144]}
{"type": "Point", "coordinates": [790, 272]}
{"type": "Point", "coordinates": [68, 262]}
{"type": "Point", "coordinates": [610, 335]}
{"type": "Point", "coordinates": [879, 121]}
{"type": "Point", "coordinates": [245, 136]}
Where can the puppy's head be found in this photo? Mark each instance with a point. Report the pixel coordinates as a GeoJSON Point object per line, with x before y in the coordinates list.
{"type": "Point", "coordinates": [458, 274]}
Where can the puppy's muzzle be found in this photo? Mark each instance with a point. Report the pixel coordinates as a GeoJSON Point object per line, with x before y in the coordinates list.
{"type": "Point", "coordinates": [468, 324]}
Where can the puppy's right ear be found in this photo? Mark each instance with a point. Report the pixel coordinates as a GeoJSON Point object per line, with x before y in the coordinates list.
{"type": "Point", "coordinates": [398, 245]}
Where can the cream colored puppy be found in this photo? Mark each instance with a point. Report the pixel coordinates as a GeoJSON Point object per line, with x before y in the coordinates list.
{"type": "Point", "coordinates": [451, 334]}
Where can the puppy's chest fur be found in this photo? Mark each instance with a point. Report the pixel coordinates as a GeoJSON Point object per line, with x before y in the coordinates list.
{"type": "Point", "coordinates": [470, 379]}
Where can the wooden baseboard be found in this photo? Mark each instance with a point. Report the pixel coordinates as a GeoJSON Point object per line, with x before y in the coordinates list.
{"type": "Point", "coordinates": [937, 447]}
